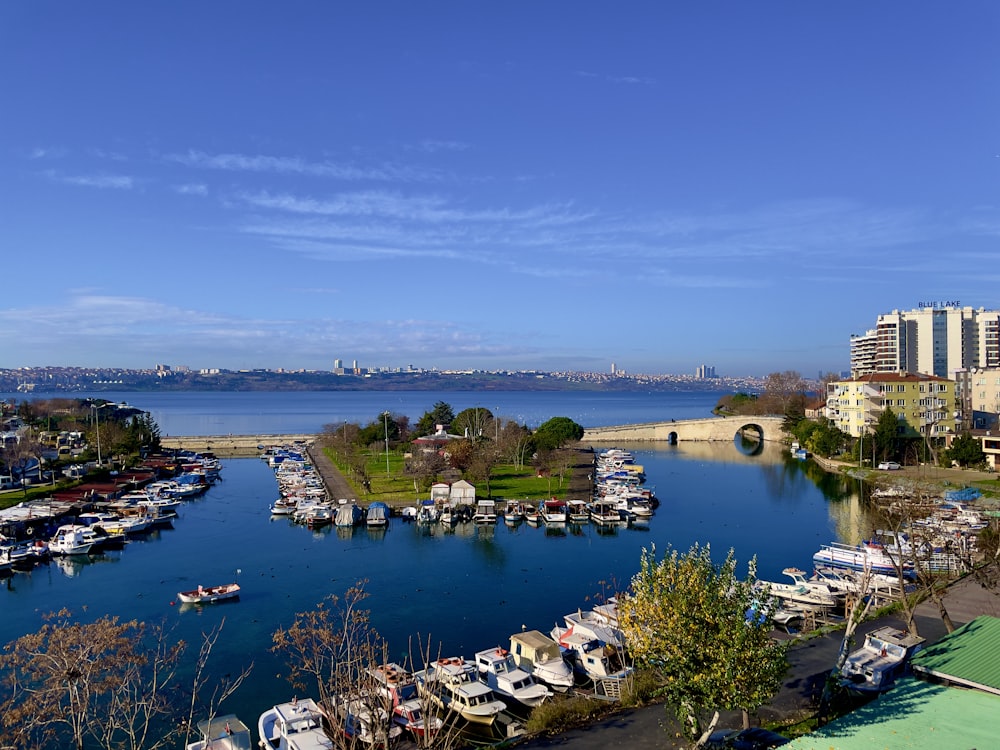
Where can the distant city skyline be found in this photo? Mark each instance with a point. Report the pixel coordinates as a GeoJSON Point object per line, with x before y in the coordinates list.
{"type": "Point", "coordinates": [551, 187]}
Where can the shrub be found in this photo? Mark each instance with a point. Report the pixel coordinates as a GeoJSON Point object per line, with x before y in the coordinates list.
{"type": "Point", "coordinates": [566, 712]}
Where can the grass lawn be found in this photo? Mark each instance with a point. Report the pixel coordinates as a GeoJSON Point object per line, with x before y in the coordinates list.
{"type": "Point", "coordinates": [395, 488]}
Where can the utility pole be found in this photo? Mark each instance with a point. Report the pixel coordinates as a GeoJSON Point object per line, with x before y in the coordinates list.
{"type": "Point", "coordinates": [385, 422]}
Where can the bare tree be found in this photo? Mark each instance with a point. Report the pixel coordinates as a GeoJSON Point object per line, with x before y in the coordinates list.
{"type": "Point", "coordinates": [441, 730]}
{"type": "Point", "coordinates": [331, 650]}
{"type": "Point", "coordinates": [856, 609]}
{"type": "Point", "coordinates": [484, 460]}
{"type": "Point", "coordinates": [222, 689]}
{"type": "Point", "coordinates": [70, 684]}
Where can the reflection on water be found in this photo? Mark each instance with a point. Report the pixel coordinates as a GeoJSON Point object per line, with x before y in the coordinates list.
{"type": "Point", "coordinates": [468, 587]}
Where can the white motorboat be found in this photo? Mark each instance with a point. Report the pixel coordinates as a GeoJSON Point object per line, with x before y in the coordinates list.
{"type": "Point", "coordinates": [73, 539]}
{"type": "Point", "coordinates": [428, 512]}
{"type": "Point", "coordinates": [882, 658]}
{"type": "Point", "coordinates": [535, 652]}
{"type": "Point", "coordinates": [486, 512]}
{"type": "Point", "coordinates": [600, 662]}
{"type": "Point", "coordinates": [285, 505]}
{"type": "Point", "coordinates": [222, 733]}
{"type": "Point", "coordinates": [295, 725]}
{"type": "Point", "coordinates": [798, 594]}
{"type": "Point", "coordinates": [498, 669]}
{"type": "Point", "coordinates": [554, 511]}
{"type": "Point", "coordinates": [594, 627]}
{"type": "Point", "coordinates": [605, 512]}
{"type": "Point", "coordinates": [513, 512]}
{"type": "Point", "coordinates": [867, 556]}
{"type": "Point", "coordinates": [452, 684]}
{"type": "Point", "coordinates": [825, 589]}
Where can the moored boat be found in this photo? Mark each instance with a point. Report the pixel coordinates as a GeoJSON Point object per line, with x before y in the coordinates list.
{"type": "Point", "coordinates": [498, 669]}
{"type": "Point", "coordinates": [451, 683]}
{"type": "Point", "coordinates": [864, 557]}
{"type": "Point", "coordinates": [400, 691]}
{"type": "Point", "coordinates": [203, 595]}
{"type": "Point", "coordinates": [377, 514]}
{"type": "Point", "coordinates": [535, 652]}
{"type": "Point", "coordinates": [222, 733]}
{"type": "Point", "coordinates": [295, 725]}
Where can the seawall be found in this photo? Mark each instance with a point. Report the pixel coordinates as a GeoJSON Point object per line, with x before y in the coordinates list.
{"type": "Point", "coordinates": [231, 446]}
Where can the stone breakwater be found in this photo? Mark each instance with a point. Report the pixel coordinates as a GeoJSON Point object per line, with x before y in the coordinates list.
{"type": "Point", "coordinates": [232, 446]}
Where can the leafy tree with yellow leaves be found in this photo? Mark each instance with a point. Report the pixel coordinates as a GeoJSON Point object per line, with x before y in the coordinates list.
{"type": "Point", "coordinates": [704, 633]}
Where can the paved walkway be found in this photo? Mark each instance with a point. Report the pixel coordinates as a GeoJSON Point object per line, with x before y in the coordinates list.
{"type": "Point", "coordinates": [336, 486]}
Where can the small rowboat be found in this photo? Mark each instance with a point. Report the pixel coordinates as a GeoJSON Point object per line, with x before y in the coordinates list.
{"type": "Point", "coordinates": [203, 595]}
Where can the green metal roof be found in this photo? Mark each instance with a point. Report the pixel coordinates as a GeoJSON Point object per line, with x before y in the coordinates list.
{"type": "Point", "coordinates": [969, 656]}
{"type": "Point", "coordinates": [914, 715]}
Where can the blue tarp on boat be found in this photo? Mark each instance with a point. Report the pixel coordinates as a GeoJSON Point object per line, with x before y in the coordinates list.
{"type": "Point", "coordinates": [963, 495]}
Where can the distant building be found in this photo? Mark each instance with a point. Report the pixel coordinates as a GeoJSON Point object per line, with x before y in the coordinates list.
{"type": "Point", "coordinates": [924, 404]}
{"type": "Point", "coordinates": [704, 372]}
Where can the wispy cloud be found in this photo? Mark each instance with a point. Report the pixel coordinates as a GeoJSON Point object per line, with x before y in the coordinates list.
{"type": "Point", "coordinates": [427, 209]}
{"type": "Point", "coordinates": [40, 152]}
{"type": "Point", "coordinates": [294, 165]}
{"type": "Point", "coordinates": [192, 188]}
{"type": "Point", "coordinates": [90, 322]}
{"type": "Point", "coordinates": [630, 80]}
{"type": "Point", "coordinates": [102, 181]}
{"type": "Point", "coordinates": [678, 250]}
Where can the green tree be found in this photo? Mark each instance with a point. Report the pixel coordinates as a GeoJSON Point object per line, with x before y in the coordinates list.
{"type": "Point", "coordinates": [441, 413]}
{"type": "Point", "coordinates": [886, 436]}
{"type": "Point", "coordinates": [473, 423]}
{"type": "Point", "coordinates": [821, 436]}
{"type": "Point", "coordinates": [686, 619]}
{"type": "Point", "coordinates": [556, 432]}
{"type": "Point", "coordinates": [965, 450]}
{"type": "Point", "coordinates": [737, 403]}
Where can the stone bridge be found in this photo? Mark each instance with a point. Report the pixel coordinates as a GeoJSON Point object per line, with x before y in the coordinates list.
{"type": "Point", "coordinates": [707, 430]}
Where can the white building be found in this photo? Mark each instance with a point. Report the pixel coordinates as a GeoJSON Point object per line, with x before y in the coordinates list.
{"type": "Point", "coordinates": [933, 339]}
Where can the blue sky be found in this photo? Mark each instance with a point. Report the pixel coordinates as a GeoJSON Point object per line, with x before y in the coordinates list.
{"type": "Point", "coordinates": [523, 185]}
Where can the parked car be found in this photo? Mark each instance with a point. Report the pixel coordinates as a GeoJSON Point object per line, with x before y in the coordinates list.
{"type": "Point", "coordinates": [754, 738]}
{"type": "Point", "coordinates": [889, 466]}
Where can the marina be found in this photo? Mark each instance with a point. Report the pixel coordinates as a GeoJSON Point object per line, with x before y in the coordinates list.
{"type": "Point", "coordinates": [468, 586]}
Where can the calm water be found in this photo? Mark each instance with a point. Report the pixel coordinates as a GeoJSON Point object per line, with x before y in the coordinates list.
{"type": "Point", "coordinates": [469, 590]}
{"type": "Point", "coordinates": [296, 413]}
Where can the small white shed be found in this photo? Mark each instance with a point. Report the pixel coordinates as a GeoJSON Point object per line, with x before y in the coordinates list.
{"type": "Point", "coordinates": [463, 493]}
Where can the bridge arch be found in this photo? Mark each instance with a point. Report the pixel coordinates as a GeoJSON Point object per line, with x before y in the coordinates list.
{"type": "Point", "coordinates": [713, 429]}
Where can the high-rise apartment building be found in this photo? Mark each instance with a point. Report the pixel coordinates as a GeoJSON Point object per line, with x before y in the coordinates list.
{"type": "Point", "coordinates": [934, 340]}
{"type": "Point", "coordinates": [863, 350]}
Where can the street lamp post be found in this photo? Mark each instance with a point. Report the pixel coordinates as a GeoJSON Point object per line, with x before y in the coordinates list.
{"type": "Point", "coordinates": [385, 422]}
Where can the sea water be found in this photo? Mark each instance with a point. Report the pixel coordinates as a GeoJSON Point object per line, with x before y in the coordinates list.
{"type": "Point", "coordinates": [466, 590]}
